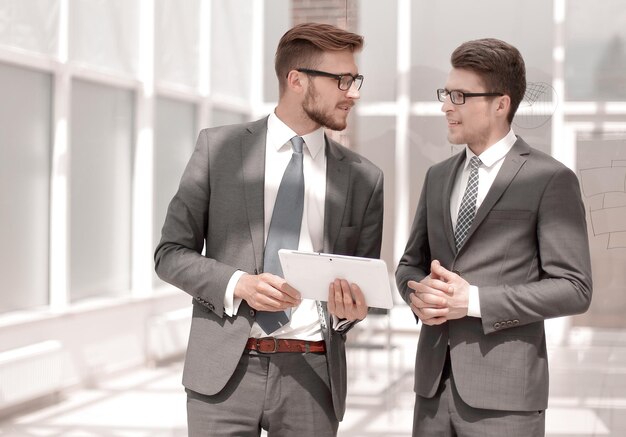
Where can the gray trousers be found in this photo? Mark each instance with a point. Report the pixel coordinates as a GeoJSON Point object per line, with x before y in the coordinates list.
{"type": "Point", "coordinates": [446, 415]}
{"type": "Point", "coordinates": [287, 394]}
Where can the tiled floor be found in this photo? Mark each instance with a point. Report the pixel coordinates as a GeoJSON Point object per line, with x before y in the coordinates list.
{"type": "Point", "coordinates": [587, 394]}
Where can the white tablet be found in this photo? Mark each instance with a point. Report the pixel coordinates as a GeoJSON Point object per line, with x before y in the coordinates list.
{"type": "Point", "coordinates": [311, 274]}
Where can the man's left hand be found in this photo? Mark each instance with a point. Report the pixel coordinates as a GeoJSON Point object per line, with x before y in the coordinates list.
{"type": "Point", "coordinates": [346, 301]}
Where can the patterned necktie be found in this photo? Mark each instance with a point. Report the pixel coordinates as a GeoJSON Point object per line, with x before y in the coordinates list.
{"type": "Point", "coordinates": [284, 231]}
{"type": "Point", "coordinates": [467, 211]}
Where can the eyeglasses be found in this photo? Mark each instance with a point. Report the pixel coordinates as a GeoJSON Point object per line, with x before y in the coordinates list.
{"type": "Point", "coordinates": [344, 81]}
{"type": "Point", "coordinates": [458, 97]}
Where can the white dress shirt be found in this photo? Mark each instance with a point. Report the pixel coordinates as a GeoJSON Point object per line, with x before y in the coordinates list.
{"type": "Point", "coordinates": [304, 323]}
{"type": "Point", "coordinates": [492, 159]}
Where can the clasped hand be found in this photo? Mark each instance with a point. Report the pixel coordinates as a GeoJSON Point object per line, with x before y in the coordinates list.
{"type": "Point", "coordinates": [268, 292]}
{"type": "Point", "coordinates": [439, 297]}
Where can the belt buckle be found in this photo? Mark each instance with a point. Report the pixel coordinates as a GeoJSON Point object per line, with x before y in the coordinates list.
{"type": "Point", "coordinates": [258, 345]}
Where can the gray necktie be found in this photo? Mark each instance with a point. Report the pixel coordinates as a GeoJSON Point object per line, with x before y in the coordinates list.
{"type": "Point", "coordinates": [284, 231]}
{"type": "Point", "coordinates": [467, 211]}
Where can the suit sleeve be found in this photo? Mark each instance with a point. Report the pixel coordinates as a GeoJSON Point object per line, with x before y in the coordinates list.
{"type": "Point", "coordinates": [371, 236]}
{"type": "Point", "coordinates": [564, 286]}
{"type": "Point", "coordinates": [178, 257]}
{"type": "Point", "coordinates": [415, 263]}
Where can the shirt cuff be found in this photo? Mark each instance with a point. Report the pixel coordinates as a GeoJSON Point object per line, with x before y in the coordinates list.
{"type": "Point", "coordinates": [339, 324]}
{"type": "Point", "coordinates": [473, 306]}
{"type": "Point", "coordinates": [231, 304]}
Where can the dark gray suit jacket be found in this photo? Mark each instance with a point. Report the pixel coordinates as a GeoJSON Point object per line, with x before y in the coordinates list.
{"type": "Point", "coordinates": [220, 203]}
{"type": "Point", "coordinates": [527, 251]}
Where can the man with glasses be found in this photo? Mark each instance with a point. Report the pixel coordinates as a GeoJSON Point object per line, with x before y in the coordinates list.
{"type": "Point", "coordinates": [498, 245]}
{"type": "Point", "coordinates": [259, 356]}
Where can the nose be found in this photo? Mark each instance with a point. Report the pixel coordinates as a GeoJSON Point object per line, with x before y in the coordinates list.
{"type": "Point", "coordinates": [447, 104]}
{"type": "Point", "coordinates": [353, 92]}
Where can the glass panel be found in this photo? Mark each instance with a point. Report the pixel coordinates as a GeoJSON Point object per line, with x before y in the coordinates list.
{"type": "Point", "coordinates": [377, 22]}
{"type": "Point", "coordinates": [433, 41]}
{"type": "Point", "coordinates": [533, 120]}
{"type": "Point", "coordinates": [536, 131]}
{"type": "Point", "coordinates": [223, 117]}
{"type": "Point", "coordinates": [174, 140]}
{"type": "Point", "coordinates": [428, 145]}
{"type": "Point", "coordinates": [601, 162]}
{"type": "Point", "coordinates": [277, 22]}
{"type": "Point", "coordinates": [101, 138]}
{"type": "Point", "coordinates": [104, 33]}
{"type": "Point", "coordinates": [176, 41]}
{"type": "Point", "coordinates": [25, 133]}
{"type": "Point", "coordinates": [231, 48]}
{"type": "Point", "coordinates": [595, 50]}
{"type": "Point", "coordinates": [376, 139]}
{"type": "Point", "coordinates": [30, 25]}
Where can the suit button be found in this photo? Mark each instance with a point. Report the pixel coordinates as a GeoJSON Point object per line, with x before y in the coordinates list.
{"type": "Point", "coordinates": [509, 323]}
{"type": "Point", "coordinates": [515, 322]}
{"type": "Point", "coordinates": [496, 325]}
{"type": "Point", "coordinates": [252, 313]}
{"type": "Point", "coordinates": [211, 307]}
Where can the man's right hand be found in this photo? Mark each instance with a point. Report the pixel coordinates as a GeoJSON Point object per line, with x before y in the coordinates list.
{"type": "Point", "coordinates": [267, 292]}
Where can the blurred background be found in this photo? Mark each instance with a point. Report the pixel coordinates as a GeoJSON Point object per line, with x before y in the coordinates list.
{"type": "Point", "coordinates": [100, 105]}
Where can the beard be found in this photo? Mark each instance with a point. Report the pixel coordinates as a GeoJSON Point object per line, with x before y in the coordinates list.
{"type": "Point", "coordinates": [319, 115]}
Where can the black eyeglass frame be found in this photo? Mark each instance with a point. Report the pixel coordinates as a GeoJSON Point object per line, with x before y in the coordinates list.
{"type": "Point", "coordinates": [464, 95]}
{"type": "Point", "coordinates": [356, 78]}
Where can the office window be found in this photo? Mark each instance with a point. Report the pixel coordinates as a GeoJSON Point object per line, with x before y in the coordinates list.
{"type": "Point", "coordinates": [101, 138]}
{"type": "Point", "coordinates": [104, 34]}
{"type": "Point", "coordinates": [174, 139]}
{"type": "Point", "coordinates": [176, 41]}
{"type": "Point", "coordinates": [277, 21]}
{"type": "Point", "coordinates": [30, 25]}
{"type": "Point", "coordinates": [376, 140]}
{"type": "Point", "coordinates": [595, 51]}
{"type": "Point", "coordinates": [438, 28]}
{"type": "Point", "coordinates": [231, 48]}
{"type": "Point", "coordinates": [428, 145]}
{"type": "Point", "coordinates": [25, 133]}
{"type": "Point", "coordinates": [221, 117]}
{"type": "Point", "coordinates": [378, 60]}
{"type": "Point", "coordinates": [536, 130]}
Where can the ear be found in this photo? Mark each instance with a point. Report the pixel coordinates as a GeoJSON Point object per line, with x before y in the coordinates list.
{"type": "Point", "coordinates": [295, 81]}
{"type": "Point", "coordinates": [504, 104]}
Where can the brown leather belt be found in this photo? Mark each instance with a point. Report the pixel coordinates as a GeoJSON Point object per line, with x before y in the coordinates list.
{"type": "Point", "coordinates": [271, 345]}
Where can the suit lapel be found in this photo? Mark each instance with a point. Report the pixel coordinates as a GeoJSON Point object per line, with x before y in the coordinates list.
{"type": "Point", "coordinates": [513, 161]}
{"type": "Point", "coordinates": [253, 162]}
{"type": "Point", "coordinates": [337, 184]}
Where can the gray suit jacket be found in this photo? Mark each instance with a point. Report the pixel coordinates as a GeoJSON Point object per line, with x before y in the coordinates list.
{"type": "Point", "coordinates": [220, 204]}
{"type": "Point", "coordinates": [527, 251]}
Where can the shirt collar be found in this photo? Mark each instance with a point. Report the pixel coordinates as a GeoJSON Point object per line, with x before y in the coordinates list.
{"type": "Point", "coordinates": [279, 134]}
{"type": "Point", "coordinates": [494, 153]}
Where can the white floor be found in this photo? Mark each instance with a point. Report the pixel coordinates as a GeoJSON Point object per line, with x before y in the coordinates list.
{"type": "Point", "coordinates": [587, 393]}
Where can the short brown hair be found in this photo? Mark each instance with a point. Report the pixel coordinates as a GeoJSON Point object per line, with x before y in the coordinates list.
{"type": "Point", "coordinates": [303, 45]}
{"type": "Point", "coordinates": [499, 64]}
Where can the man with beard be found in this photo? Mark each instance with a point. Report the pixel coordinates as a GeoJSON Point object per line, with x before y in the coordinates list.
{"type": "Point", "coordinates": [259, 356]}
